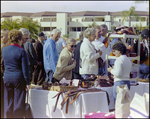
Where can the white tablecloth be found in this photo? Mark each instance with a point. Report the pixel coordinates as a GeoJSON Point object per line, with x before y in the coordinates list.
{"type": "Point", "coordinates": [140, 89]}
{"type": "Point", "coordinates": [145, 86]}
{"type": "Point", "coordinates": [42, 104]}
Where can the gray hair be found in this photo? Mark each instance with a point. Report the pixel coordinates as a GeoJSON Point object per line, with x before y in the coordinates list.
{"type": "Point", "coordinates": [24, 31]}
{"type": "Point", "coordinates": [103, 26]}
{"type": "Point", "coordinates": [55, 31]}
{"type": "Point", "coordinates": [89, 31]}
{"type": "Point", "coordinates": [69, 40]}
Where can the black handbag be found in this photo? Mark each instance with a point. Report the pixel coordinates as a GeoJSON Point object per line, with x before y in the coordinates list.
{"type": "Point", "coordinates": [28, 112]}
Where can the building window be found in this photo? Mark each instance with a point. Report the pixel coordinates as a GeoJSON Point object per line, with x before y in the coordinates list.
{"type": "Point", "coordinates": [73, 29]}
{"type": "Point", "coordinates": [46, 28]}
{"type": "Point", "coordinates": [53, 28]}
{"type": "Point", "coordinates": [78, 28]}
{"type": "Point", "coordinates": [84, 28]}
{"type": "Point", "coordinates": [88, 19]}
{"type": "Point", "coordinates": [143, 19]}
{"type": "Point", "coordinates": [53, 19]}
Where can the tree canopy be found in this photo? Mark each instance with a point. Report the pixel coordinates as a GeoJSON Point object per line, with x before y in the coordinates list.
{"type": "Point", "coordinates": [129, 14]}
{"type": "Point", "coordinates": [33, 26]}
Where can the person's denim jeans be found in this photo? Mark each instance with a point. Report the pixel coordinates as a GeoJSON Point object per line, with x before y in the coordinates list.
{"type": "Point", "coordinates": [117, 83]}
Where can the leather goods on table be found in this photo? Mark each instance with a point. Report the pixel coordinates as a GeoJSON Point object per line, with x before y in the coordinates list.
{"type": "Point", "coordinates": [58, 87]}
{"type": "Point", "coordinates": [75, 93]}
{"type": "Point", "coordinates": [144, 80]}
{"type": "Point", "coordinates": [87, 83]}
{"type": "Point", "coordinates": [104, 81]}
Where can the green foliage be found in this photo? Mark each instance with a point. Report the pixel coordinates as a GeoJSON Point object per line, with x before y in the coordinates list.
{"type": "Point", "coordinates": [33, 26]}
{"type": "Point", "coordinates": [92, 25]}
{"type": "Point", "coordinates": [129, 14]}
{"type": "Point", "coordinates": [67, 35]}
{"type": "Point", "coordinates": [11, 24]}
{"type": "Point", "coordinates": [140, 27]}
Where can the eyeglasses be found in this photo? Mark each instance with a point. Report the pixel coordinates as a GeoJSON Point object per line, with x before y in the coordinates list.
{"type": "Point", "coordinates": [73, 46]}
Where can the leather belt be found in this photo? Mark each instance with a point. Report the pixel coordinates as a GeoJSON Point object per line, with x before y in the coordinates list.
{"type": "Point", "coordinates": [75, 93]}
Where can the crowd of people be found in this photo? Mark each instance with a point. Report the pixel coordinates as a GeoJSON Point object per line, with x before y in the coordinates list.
{"type": "Point", "coordinates": [26, 62]}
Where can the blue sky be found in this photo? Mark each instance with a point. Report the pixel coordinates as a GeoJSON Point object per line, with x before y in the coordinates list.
{"type": "Point", "coordinates": [70, 6]}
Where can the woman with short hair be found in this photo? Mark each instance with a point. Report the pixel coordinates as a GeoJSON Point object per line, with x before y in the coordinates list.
{"type": "Point", "coordinates": [122, 67]}
{"type": "Point", "coordinates": [88, 55]}
{"type": "Point", "coordinates": [16, 76]}
{"type": "Point", "coordinates": [65, 63]}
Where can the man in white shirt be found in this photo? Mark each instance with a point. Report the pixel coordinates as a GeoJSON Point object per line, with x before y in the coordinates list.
{"type": "Point", "coordinates": [99, 46]}
{"type": "Point", "coordinates": [60, 44]}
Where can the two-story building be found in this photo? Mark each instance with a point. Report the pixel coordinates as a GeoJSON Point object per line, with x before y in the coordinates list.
{"type": "Point", "coordinates": [73, 23]}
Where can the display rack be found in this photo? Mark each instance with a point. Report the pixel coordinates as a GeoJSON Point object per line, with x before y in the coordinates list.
{"type": "Point", "coordinates": [124, 37]}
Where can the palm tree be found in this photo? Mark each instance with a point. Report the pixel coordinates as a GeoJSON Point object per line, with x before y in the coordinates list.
{"type": "Point", "coordinates": [33, 26]}
{"type": "Point", "coordinates": [129, 14]}
{"type": "Point", "coordinates": [10, 24]}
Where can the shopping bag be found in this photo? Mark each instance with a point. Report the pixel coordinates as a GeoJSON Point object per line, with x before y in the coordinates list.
{"type": "Point", "coordinates": [123, 100]}
{"type": "Point", "coordinates": [139, 107]}
{"type": "Point", "coordinates": [28, 112]}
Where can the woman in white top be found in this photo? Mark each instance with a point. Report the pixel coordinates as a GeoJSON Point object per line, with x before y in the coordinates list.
{"type": "Point", "coordinates": [88, 55]}
{"type": "Point", "coordinates": [122, 67]}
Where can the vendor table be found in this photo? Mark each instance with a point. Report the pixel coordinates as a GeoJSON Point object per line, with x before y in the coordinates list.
{"type": "Point", "coordinates": [42, 104]}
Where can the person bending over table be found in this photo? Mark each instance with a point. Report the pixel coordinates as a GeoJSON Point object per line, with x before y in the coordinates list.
{"type": "Point", "coordinates": [16, 76]}
{"type": "Point", "coordinates": [88, 55]}
{"type": "Point", "coordinates": [122, 67]}
{"type": "Point", "coordinates": [65, 62]}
